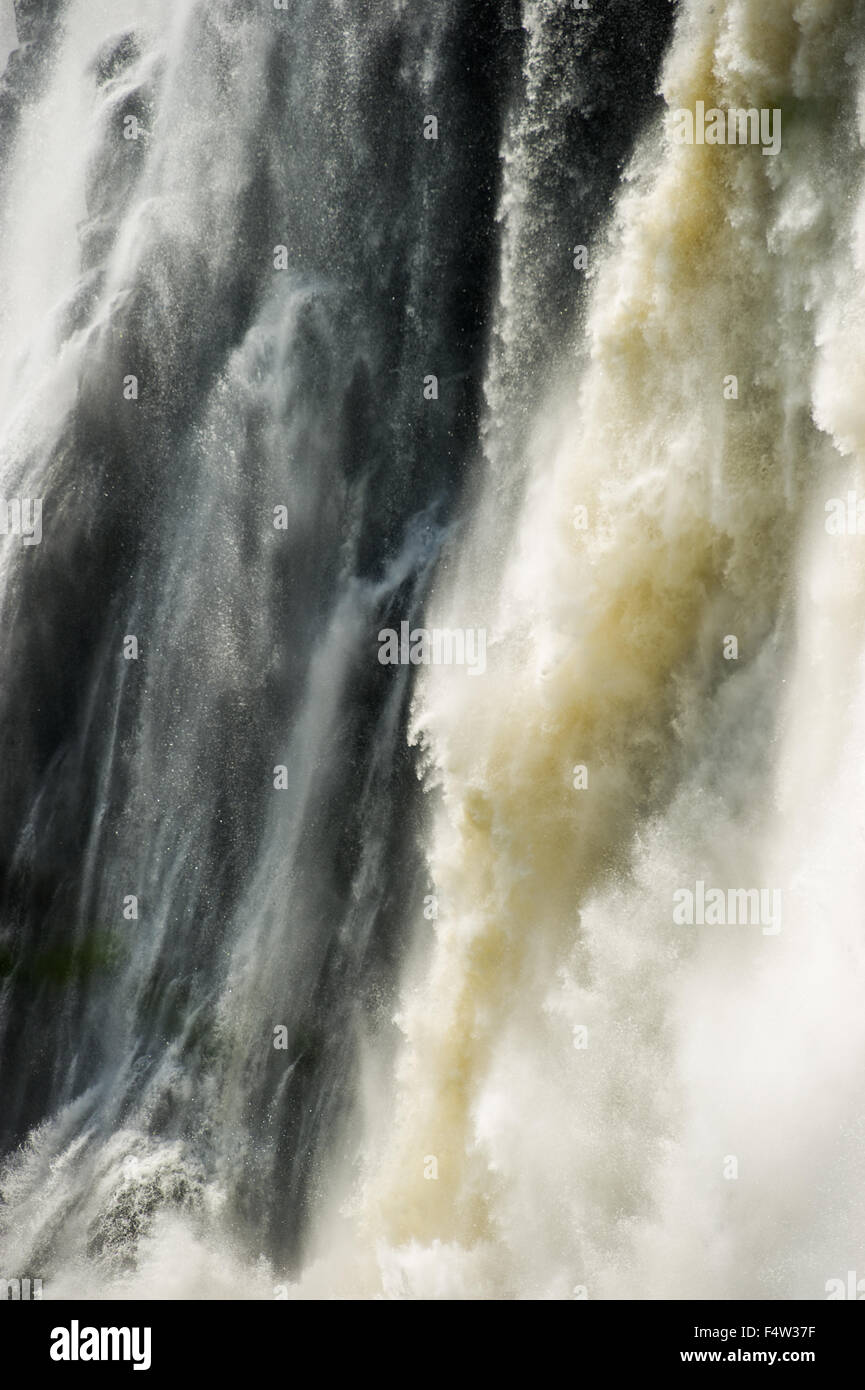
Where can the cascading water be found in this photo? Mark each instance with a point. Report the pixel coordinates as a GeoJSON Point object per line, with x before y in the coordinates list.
{"type": "Point", "coordinates": [338, 978]}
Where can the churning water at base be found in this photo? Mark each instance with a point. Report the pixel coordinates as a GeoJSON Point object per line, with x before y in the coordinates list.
{"type": "Point", "coordinates": [326, 978]}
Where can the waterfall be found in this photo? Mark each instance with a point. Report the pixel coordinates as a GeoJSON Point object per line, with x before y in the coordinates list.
{"type": "Point", "coordinates": [328, 976]}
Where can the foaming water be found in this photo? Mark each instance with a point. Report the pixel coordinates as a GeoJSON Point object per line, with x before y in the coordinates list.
{"type": "Point", "coordinates": [605, 1166]}
{"type": "Point", "coordinates": [547, 1087]}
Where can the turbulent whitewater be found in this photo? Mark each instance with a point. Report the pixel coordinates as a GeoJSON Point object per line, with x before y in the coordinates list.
{"type": "Point", "coordinates": [323, 976]}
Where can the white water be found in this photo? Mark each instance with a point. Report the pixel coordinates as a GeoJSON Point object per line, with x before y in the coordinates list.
{"type": "Point", "coordinates": [604, 1167]}
{"type": "Point", "coordinates": [601, 1170]}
